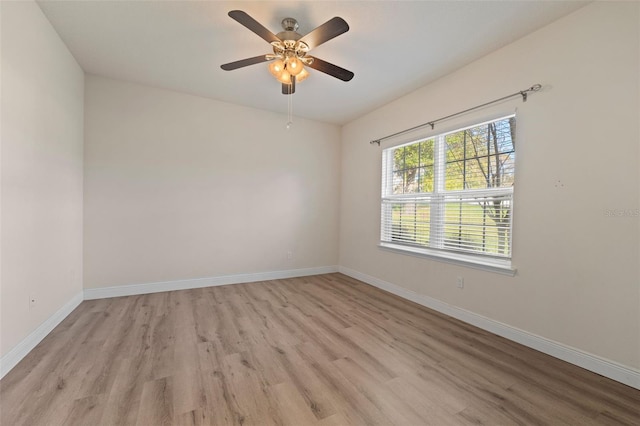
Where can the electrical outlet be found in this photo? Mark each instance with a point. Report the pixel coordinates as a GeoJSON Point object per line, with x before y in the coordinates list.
{"type": "Point", "coordinates": [32, 301]}
{"type": "Point", "coordinates": [460, 282]}
{"type": "Point", "coordinates": [289, 254]}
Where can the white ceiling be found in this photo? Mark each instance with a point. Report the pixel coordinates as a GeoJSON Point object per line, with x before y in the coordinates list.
{"type": "Point", "coordinates": [392, 47]}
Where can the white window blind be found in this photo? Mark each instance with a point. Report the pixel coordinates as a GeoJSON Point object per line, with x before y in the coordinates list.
{"type": "Point", "coordinates": [452, 193]}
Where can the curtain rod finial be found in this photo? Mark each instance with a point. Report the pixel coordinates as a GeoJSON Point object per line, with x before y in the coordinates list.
{"type": "Point", "coordinates": [375, 141]}
{"type": "Point", "coordinates": [534, 88]}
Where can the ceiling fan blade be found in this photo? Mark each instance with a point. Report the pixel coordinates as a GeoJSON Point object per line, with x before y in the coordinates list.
{"type": "Point", "coordinates": [253, 25]}
{"type": "Point", "coordinates": [332, 70]}
{"type": "Point", "coordinates": [325, 32]}
{"type": "Point", "coordinates": [244, 63]}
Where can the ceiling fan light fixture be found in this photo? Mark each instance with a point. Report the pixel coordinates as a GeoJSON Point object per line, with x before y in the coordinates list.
{"type": "Point", "coordinates": [294, 66]}
{"type": "Point", "coordinates": [283, 68]}
{"type": "Point", "coordinates": [276, 68]}
{"type": "Point", "coordinates": [284, 77]}
{"type": "Point", "coordinates": [302, 75]}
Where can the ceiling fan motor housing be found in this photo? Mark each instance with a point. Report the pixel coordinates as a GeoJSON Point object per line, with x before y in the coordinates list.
{"type": "Point", "coordinates": [289, 46]}
{"type": "Point", "coordinates": [290, 24]}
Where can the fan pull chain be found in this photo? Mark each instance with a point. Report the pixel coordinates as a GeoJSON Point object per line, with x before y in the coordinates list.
{"type": "Point", "coordinates": [290, 108]}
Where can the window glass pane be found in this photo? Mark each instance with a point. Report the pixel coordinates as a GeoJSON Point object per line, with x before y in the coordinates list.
{"type": "Point", "coordinates": [398, 182]}
{"type": "Point", "coordinates": [411, 157]}
{"type": "Point", "coordinates": [413, 168]}
{"type": "Point", "coordinates": [426, 179]}
{"type": "Point", "coordinates": [505, 131]}
{"type": "Point", "coordinates": [454, 176]}
{"type": "Point", "coordinates": [475, 176]}
{"type": "Point", "coordinates": [426, 152]}
{"type": "Point", "coordinates": [411, 181]}
{"type": "Point", "coordinates": [488, 154]}
{"type": "Point", "coordinates": [477, 143]}
{"type": "Point", "coordinates": [398, 159]}
{"type": "Point", "coordinates": [506, 164]}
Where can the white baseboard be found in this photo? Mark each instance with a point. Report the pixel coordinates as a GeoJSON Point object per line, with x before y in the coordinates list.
{"type": "Point", "coordinates": [15, 355]}
{"type": "Point", "coordinates": [133, 289]}
{"type": "Point", "coordinates": [615, 371]}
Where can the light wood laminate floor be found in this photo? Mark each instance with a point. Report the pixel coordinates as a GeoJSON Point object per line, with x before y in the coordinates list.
{"type": "Point", "coordinates": [322, 350]}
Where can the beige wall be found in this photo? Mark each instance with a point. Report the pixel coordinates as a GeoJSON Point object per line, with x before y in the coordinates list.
{"type": "Point", "coordinates": [577, 156]}
{"type": "Point", "coordinates": [180, 187]}
{"type": "Point", "coordinates": [42, 132]}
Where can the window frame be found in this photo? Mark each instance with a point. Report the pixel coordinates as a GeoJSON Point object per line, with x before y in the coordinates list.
{"type": "Point", "coordinates": [435, 249]}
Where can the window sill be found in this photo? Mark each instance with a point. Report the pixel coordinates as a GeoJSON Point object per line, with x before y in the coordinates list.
{"type": "Point", "coordinates": [498, 266]}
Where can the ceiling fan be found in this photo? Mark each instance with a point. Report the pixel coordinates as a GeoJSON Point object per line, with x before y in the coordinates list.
{"type": "Point", "coordinates": [290, 50]}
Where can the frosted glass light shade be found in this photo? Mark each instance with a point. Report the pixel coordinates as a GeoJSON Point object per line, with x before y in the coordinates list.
{"type": "Point", "coordinates": [284, 77]}
{"type": "Point", "coordinates": [302, 76]}
{"type": "Point", "coordinates": [276, 68]}
{"type": "Point", "coordinates": [294, 66]}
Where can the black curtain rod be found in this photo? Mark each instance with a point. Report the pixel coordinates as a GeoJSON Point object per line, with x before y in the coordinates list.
{"type": "Point", "coordinates": [523, 93]}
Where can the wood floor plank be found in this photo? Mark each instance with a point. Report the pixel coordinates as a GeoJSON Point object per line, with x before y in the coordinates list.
{"type": "Point", "coordinates": [391, 358]}
{"type": "Point", "coordinates": [123, 401]}
{"type": "Point", "coordinates": [355, 407]}
{"type": "Point", "coordinates": [188, 386]}
{"type": "Point", "coordinates": [447, 397]}
{"type": "Point", "coordinates": [156, 407]}
{"type": "Point", "coordinates": [251, 392]}
{"type": "Point", "coordinates": [87, 410]}
{"type": "Point", "coordinates": [321, 350]}
{"type": "Point", "coordinates": [317, 397]}
{"type": "Point", "coordinates": [289, 401]}
{"type": "Point", "coordinates": [378, 393]}
{"type": "Point", "coordinates": [431, 410]}
{"type": "Point", "coordinates": [217, 403]}
{"type": "Point", "coordinates": [334, 420]}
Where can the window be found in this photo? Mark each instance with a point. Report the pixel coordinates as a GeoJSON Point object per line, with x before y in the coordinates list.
{"type": "Point", "coordinates": [451, 195]}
